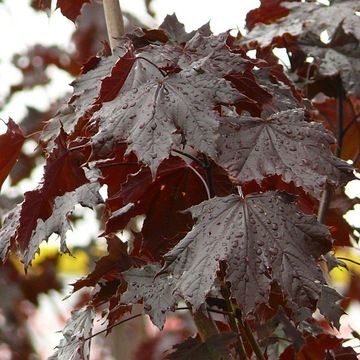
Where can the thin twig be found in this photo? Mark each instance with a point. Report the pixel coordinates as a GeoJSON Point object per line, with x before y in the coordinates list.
{"type": "Point", "coordinates": [340, 130]}
{"type": "Point", "coordinates": [325, 199]}
{"type": "Point", "coordinates": [193, 158]}
{"type": "Point", "coordinates": [205, 325]}
{"type": "Point", "coordinates": [253, 342]}
{"type": "Point", "coordinates": [105, 165]}
{"type": "Point", "coordinates": [239, 345]}
{"type": "Point", "coordinates": [114, 21]}
{"type": "Point", "coordinates": [349, 260]}
{"type": "Point", "coordinates": [113, 325]}
{"type": "Point", "coordinates": [150, 62]}
{"type": "Point", "coordinates": [209, 176]}
{"type": "Point", "coordinates": [202, 180]}
{"type": "Point", "coordinates": [27, 136]}
{"type": "Point", "coordinates": [357, 157]}
{"type": "Point", "coordinates": [226, 313]}
{"type": "Point", "coordinates": [324, 204]}
{"type": "Point", "coordinates": [183, 308]}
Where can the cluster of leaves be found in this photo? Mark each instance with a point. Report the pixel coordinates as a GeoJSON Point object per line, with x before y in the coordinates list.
{"type": "Point", "coordinates": [227, 161]}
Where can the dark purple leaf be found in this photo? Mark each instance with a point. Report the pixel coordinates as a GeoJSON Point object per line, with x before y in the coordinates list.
{"type": "Point", "coordinates": [308, 19]}
{"type": "Point", "coordinates": [10, 147]}
{"type": "Point", "coordinates": [328, 305]}
{"type": "Point", "coordinates": [155, 115]}
{"type": "Point", "coordinates": [262, 238]}
{"type": "Point", "coordinates": [284, 144]}
{"type": "Point", "coordinates": [72, 346]}
{"type": "Point", "coordinates": [156, 292]}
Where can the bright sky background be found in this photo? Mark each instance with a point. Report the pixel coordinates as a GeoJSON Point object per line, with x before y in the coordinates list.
{"type": "Point", "coordinates": [21, 27]}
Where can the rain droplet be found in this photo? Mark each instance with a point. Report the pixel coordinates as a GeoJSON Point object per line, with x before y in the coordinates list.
{"type": "Point", "coordinates": [273, 251]}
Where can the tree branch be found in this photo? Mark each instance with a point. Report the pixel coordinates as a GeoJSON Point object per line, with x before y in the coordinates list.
{"type": "Point", "coordinates": [239, 346]}
{"type": "Point", "coordinates": [326, 196]}
{"type": "Point", "coordinates": [114, 21]}
{"type": "Point", "coordinates": [324, 204]}
{"type": "Point", "coordinates": [113, 325]}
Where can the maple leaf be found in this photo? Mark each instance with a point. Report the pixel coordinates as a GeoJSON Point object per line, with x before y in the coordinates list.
{"type": "Point", "coordinates": [266, 95]}
{"type": "Point", "coordinates": [268, 12]}
{"type": "Point", "coordinates": [71, 9]}
{"type": "Point", "coordinates": [62, 174]}
{"type": "Point", "coordinates": [321, 346]}
{"type": "Point", "coordinates": [163, 112]}
{"type": "Point", "coordinates": [175, 188]}
{"type": "Point", "coordinates": [111, 265]}
{"type": "Point", "coordinates": [176, 30]}
{"type": "Point", "coordinates": [307, 19]}
{"type": "Point", "coordinates": [86, 195]}
{"type": "Point", "coordinates": [210, 53]}
{"type": "Point", "coordinates": [41, 229]}
{"type": "Point", "coordinates": [284, 144]}
{"type": "Point", "coordinates": [329, 307]}
{"type": "Point", "coordinates": [8, 230]}
{"type": "Point", "coordinates": [88, 85]}
{"type": "Point", "coordinates": [262, 238]}
{"type": "Point", "coordinates": [215, 347]}
{"type": "Point", "coordinates": [156, 292]}
{"type": "Point", "coordinates": [98, 82]}
{"type": "Point", "coordinates": [73, 345]}
{"type": "Point", "coordinates": [10, 148]}
{"type": "Point", "coordinates": [340, 57]}
{"type": "Point", "coordinates": [41, 4]}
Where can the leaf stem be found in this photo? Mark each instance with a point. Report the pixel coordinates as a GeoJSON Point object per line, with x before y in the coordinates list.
{"type": "Point", "coordinates": [202, 180]}
{"type": "Point", "coordinates": [205, 325]}
{"type": "Point", "coordinates": [239, 346]}
{"type": "Point", "coordinates": [326, 196]}
{"type": "Point", "coordinates": [193, 158]}
{"type": "Point", "coordinates": [324, 204]}
{"type": "Point", "coordinates": [105, 165]}
{"type": "Point", "coordinates": [340, 130]}
{"type": "Point", "coordinates": [350, 260]}
{"type": "Point", "coordinates": [114, 21]}
{"type": "Point", "coordinates": [226, 313]}
{"type": "Point", "coordinates": [113, 325]}
{"type": "Point", "coordinates": [28, 136]}
{"type": "Point", "coordinates": [254, 344]}
{"type": "Point", "coordinates": [150, 62]}
{"type": "Point", "coordinates": [209, 176]}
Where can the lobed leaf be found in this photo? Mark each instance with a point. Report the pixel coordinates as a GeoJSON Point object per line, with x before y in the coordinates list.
{"type": "Point", "coordinates": [262, 238]}
{"type": "Point", "coordinates": [175, 188]}
{"type": "Point", "coordinates": [307, 19]}
{"type": "Point", "coordinates": [161, 113]}
{"type": "Point", "coordinates": [71, 9]}
{"type": "Point", "coordinates": [73, 345]}
{"type": "Point", "coordinates": [10, 147]}
{"type": "Point", "coordinates": [156, 292]}
{"type": "Point", "coordinates": [284, 144]}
